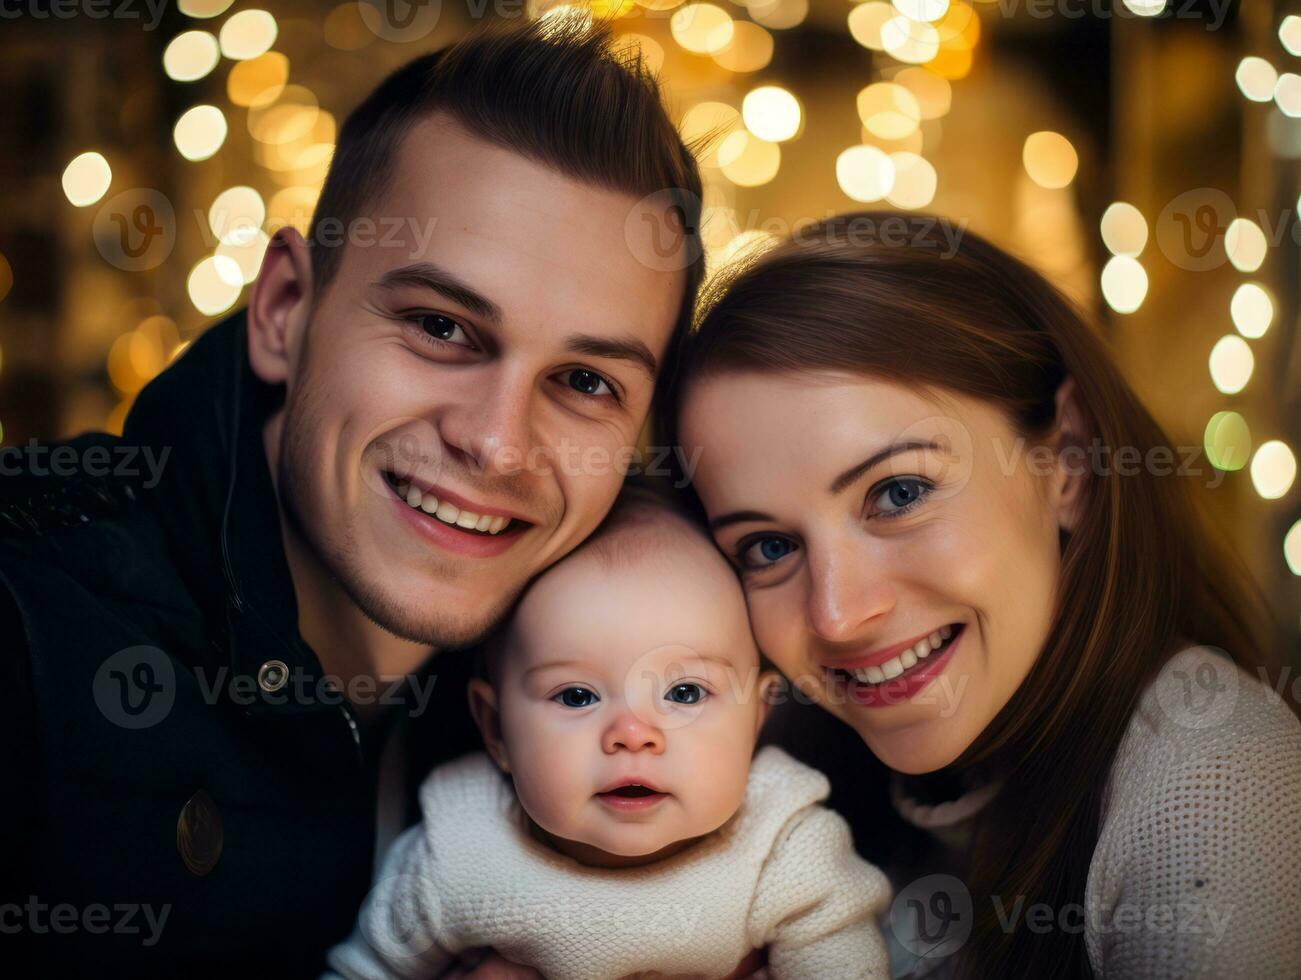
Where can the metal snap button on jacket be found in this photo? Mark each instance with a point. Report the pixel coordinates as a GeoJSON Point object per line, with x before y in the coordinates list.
{"type": "Point", "coordinates": [198, 834]}
{"type": "Point", "coordinates": [272, 676]}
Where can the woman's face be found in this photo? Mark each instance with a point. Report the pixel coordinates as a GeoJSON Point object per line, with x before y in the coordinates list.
{"type": "Point", "coordinates": [899, 547]}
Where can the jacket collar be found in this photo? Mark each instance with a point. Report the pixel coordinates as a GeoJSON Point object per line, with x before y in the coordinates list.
{"type": "Point", "coordinates": [218, 507]}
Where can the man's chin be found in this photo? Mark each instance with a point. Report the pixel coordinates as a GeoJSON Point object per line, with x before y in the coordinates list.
{"type": "Point", "coordinates": [426, 618]}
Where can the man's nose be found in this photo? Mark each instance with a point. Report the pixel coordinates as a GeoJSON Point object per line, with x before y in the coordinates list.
{"type": "Point", "coordinates": [847, 590]}
{"type": "Point", "coordinates": [631, 734]}
{"type": "Point", "coordinates": [492, 428]}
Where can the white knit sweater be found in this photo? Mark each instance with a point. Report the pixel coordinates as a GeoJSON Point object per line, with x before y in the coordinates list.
{"type": "Point", "coordinates": [781, 873]}
{"type": "Point", "coordinates": [1197, 869]}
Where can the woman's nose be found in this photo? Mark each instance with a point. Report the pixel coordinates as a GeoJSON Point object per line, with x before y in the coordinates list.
{"type": "Point", "coordinates": [631, 734]}
{"type": "Point", "coordinates": [845, 594]}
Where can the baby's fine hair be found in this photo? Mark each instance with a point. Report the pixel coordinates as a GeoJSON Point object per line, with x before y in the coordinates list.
{"type": "Point", "coordinates": [631, 531]}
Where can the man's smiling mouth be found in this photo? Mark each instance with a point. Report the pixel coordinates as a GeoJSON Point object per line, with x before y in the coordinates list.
{"type": "Point", "coordinates": [461, 518]}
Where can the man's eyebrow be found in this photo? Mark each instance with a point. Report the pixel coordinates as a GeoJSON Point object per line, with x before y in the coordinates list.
{"type": "Point", "coordinates": [426, 275]}
{"type": "Point", "coordinates": [838, 485]}
{"type": "Point", "coordinates": [881, 455]}
{"type": "Point", "coordinates": [629, 349]}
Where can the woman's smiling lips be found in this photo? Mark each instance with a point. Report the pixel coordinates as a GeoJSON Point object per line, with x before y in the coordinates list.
{"type": "Point", "coordinates": [895, 674]}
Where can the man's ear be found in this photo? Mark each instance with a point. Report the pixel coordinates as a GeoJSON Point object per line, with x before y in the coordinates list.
{"type": "Point", "coordinates": [279, 306]}
{"type": "Point", "coordinates": [764, 690]}
{"type": "Point", "coordinates": [1071, 439]}
{"type": "Point", "coordinates": [483, 708]}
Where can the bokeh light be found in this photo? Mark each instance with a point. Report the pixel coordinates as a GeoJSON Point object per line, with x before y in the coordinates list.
{"type": "Point", "coordinates": [1124, 230]}
{"type": "Point", "coordinates": [1245, 244]}
{"type": "Point", "coordinates": [1252, 310]}
{"type": "Point", "coordinates": [1227, 441]}
{"type": "Point", "coordinates": [86, 179]}
{"type": "Point", "coordinates": [1273, 469]}
{"type": "Point", "coordinates": [1231, 364]}
{"type": "Point", "coordinates": [191, 56]}
{"type": "Point", "coordinates": [247, 34]}
{"type": "Point", "coordinates": [1049, 159]}
{"type": "Point", "coordinates": [701, 28]}
{"type": "Point", "coordinates": [1124, 283]}
{"type": "Point", "coordinates": [200, 132]}
{"type": "Point", "coordinates": [865, 173]}
{"type": "Point", "coordinates": [748, 161]}
{"type": "Point", "coordinates": [771, 113]}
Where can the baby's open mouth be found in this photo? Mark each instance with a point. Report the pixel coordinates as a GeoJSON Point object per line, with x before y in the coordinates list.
{"type": "Point", "coordinates": [632, 791]}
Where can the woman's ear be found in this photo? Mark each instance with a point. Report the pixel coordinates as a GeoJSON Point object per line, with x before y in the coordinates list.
{"type": "Point", "coordinates": [483, 708]}
{"type": "Point", "coordinates": [1071, 447]}
{"type": "Point", "coordinates": [279, 307]}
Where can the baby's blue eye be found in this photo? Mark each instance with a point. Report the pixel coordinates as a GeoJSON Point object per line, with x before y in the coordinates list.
{"type": "Point", "coordinates": [576, 697]}
{"type": "Point", "coordinates": [686, 694]}
{"type": "Point", "coordinates": [760, 552]}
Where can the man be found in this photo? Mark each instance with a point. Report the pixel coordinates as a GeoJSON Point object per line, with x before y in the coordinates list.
{"type": "Point", "coordinates": [362, 469]}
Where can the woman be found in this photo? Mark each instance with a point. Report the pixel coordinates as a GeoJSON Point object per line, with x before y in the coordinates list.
{"type": "Point", "coordinates": [961, 534]}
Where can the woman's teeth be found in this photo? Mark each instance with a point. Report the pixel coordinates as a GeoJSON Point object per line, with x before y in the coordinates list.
{"type": "Point", "coordinates": [449, 513]}
{"type": "Point", "coordinates": [895, 666]}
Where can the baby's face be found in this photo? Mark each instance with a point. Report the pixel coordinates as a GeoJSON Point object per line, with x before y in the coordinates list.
{"type": "Point", "coordinates": [629, 698]}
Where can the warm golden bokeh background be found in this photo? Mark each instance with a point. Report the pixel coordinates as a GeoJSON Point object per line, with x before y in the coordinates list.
{"type": "Point", "coordinates": [1142, 153]}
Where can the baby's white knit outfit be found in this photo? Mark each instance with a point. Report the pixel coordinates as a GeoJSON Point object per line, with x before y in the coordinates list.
{"type": "Point", "coordinates": [781, 873]}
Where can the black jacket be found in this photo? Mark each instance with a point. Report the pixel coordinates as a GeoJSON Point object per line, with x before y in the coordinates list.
{"type": "Point", "coordinates": [137, 616]}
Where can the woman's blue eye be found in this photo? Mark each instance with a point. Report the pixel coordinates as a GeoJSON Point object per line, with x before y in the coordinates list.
{"type": "Point", "coordinates": [576, 697]}
{"type": "Point", "coordinates": [759, 552]}
{"type": "Point", "coordinates": [442, 328]}
{"type": "Point", "coordinates": [685, 694]}
{"type": "Point", "coordinates": [901, 494]}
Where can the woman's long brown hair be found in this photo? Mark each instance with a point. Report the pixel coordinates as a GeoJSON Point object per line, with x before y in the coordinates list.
{"type": "Point", "coordinates": [886, 295]}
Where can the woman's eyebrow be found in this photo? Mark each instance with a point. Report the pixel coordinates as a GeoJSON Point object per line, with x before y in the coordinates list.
{"type": "Point", "coordinates": [847, 478]}
{"type": "Point", "coordinates": [738, 517]}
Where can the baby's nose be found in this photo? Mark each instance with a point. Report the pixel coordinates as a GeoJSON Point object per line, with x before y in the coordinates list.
{"type": "Point", "coordinates": [632, 734]}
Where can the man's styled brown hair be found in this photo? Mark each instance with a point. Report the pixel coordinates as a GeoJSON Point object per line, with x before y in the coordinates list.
{"type": "Point", "coordinates": [553, 91]}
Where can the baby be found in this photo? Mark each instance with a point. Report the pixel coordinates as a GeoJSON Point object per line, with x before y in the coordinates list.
{"type": "Point", "coordinates": [634, 834]}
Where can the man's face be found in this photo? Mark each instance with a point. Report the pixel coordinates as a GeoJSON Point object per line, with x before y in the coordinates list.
{"type": "Point", "coordinates": [484, 356]}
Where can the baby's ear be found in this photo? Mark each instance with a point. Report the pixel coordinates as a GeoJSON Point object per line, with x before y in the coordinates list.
{"type": "Point", "coordinates": [483, 708]}
{"type": "Point", "coordinates": [764, 689]}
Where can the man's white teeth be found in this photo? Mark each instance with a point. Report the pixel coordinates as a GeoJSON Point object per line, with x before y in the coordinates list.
{"type": "Point", "coordinates": [449, 513]}
{"type": "Point", "coordinates": [895, 666]}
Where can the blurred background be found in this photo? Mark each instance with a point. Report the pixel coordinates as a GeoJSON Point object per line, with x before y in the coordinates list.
{"type": "Point", "coordinates": [1141, 153]}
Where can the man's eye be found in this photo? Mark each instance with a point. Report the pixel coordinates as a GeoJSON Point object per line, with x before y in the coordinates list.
{"type": "Point", "coordinates": [576, 697]}
{"type": "Point", "coordinates": [442, 328]}
{"type": "Point", "coordinates": [685, 694]}
{"type": "Point", "coordinates": [763, 551]}
{"type": "Point", "coordinates": [587, 382]}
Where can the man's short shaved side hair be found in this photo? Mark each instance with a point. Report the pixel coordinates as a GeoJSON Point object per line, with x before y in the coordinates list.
{"type": "Point", "coordinates": [554, 91]}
